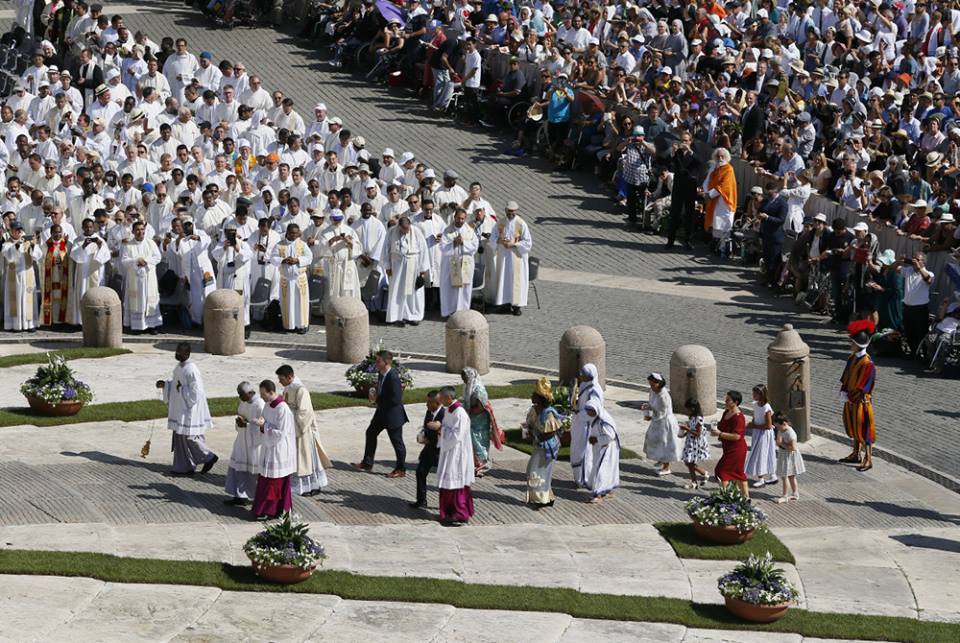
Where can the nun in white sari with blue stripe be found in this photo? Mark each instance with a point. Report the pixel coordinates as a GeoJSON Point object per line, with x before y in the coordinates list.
{"type": "Point", "coordinates": [581, 455]}
{"type": "Point", "coordinates": [604, 444]}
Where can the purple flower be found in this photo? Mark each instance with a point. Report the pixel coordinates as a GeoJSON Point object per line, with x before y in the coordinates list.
{"type": "Point", "coordinates": [69, 393]}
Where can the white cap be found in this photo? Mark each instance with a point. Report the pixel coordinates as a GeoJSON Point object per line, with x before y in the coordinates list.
{"type": "Point", "coordinates": [820, 216]}
{"type": "Point", "coordinates": [512, 205]}
{"type": "Point", "coordinates": [429, 174]}
{"type": "Point", "coordinates": [762, 13]}
{"type": "Point", "coordinates": [861, 227]}
{"type": "Point", "coordinates": [369, 184]}
{"type": "Point", "coordinates": [112, 73]}
{"type": "Point", "coordinates": [667, 70]}
{"type": "Point", "coordinates": [336, 121]}
{"type": "Point", "coordinates": [406, 157]}
{"type": "Point", "coordinates": [388, 152]}
{"type": "Point", "coordinates": [320, 106]}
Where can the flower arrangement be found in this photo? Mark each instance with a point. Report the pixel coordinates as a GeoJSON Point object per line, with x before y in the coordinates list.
{"type": "Point", "coordinates": [758, 582]}
{"type": "Point", "coordinates": [285, 543]}
{"type": "Point", "coordinates": [55, 382]}
{"type": "Point", "coordinates": [726, 507]}
{"type": "Point", "coordinates": [364, 375]}
{"type": "Point", "coordinates": [561, 403]}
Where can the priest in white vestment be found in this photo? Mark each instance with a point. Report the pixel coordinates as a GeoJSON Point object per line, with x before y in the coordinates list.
{"type": "Point", "coordinates": [317, 273]}
{"type": "Point", "coordinates": [233, 257]}
{"type": "Point", "coordinates": [311, 476]}
{"type": "Point", "coordinates": [141, 299]}
{"type": "Point", "coordinates": [483, 224]}
{"type": "Point", "coordinates": [513, 242]}
{"type": "Point", "coordinates": [455, 472]}
{"type": "Point", "coordinates": [292, 258]}
{"type": "Point", "coordinates": [373, 279]}
{"type": "Point", "coordinates": [278, 455]}
{"type": "Point", "coordinates": [90, 255]}
{"type": "Point", "coordinates": [188, 415]}
{"type": "Point", "coordinates": [244, 468]}
{"type": "Point", "coordinates": [341, 246]}
{"type": "Point", "coordinates": [263, 285]}
{"type": "Point", "coordinates": [458, 246]}
{"type": "Point", "coordinates": [196, 269]}
{"type": "Point", "coordinates": [406, 261]}
{"type": "Point", "coordinates": [432, 226]}
{"type": "Point", "coordinates": [20, 255]}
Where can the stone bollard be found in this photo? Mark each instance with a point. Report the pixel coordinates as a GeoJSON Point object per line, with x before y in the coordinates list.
{"type": "Point", "coordinates": [468, 342]}
{"type": "Point", "coordinates": [223, 323]}
{"type": "Point", "coordinates": [348, 330]}
{"type": "Point", "coordinates": [102, 318]}
{"type": "Point", "coordinates": [581, 345]}
{"type": "Point", "coordinates": [788, 379]}
{"type": "Point", "coordinates": [693, 374]}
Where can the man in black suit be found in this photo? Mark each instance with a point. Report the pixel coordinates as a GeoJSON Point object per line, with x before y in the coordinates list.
{"type": "Point", "coordinates": [390, 415]}
{"type": "Point", "coordinates": [430, 454]}
{"type": "Point", "coordinates": [87, 76]}
{"type": "Point", "coordinates": [773, 212]}
{"type": "Point", "coordinates": [752, 119]}
{"type": "Point", "coordinates": [683, 197]}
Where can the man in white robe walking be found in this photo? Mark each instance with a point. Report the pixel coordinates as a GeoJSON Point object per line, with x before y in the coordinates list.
{"type": "Point", "coordinates": [513, 242]}
{"type": "Point", "coordinates": [244, 468]}
{"type": "Point", "coordinates": [406, 261]}
{"type": "Point", "coordinates": [311, 458]}
{"type": "Point", "coordinates": [188, 416]}
{"type": "Point", "coordinates": [141, 298]}
{"type": "Point", "coordinates": [278, 455]}
{"type": "Point", "coordinates": [458, 245]}
{"type": "Point", "coordinates": [455, 472]}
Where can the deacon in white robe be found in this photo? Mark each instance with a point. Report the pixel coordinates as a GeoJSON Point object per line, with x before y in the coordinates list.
{"type": "Point", "coordinates": [371, 233]}
{"type": "Point", "coordinates": [406, 261]}
{"type": "Point", "coordinates": [90, 255]}
{"type": "Point", "coordinates": [292, 257]}
{"type": "Point", "coordinates": [311, 476]}
{"type": "Point", "coordinates": [341, 245]}
{"type": "Point", "coordinates": [455, 472]}
{"type": "Point", "coordinates": [233, 258]}
{"type": "Point", "coordinates": [278, 455]}
{"type": "Point", "coordinates": [605, 444]}
{"type": "Point", "coordinates": [188, 415]}
{"type": "Point", "coordinates": [244, 468]}
{"type": "Point", "coordinates": [513, 242]}
{"type": "Point", "coordinates": [20, 255]}
{"type": "Point", "coordinates": [458, 246]}
{"type": "Point", "coordinates": [483, 225]}
{"type": "Point", "coordinates": [317, 273]}
{"type": "Point", "coordinates": [141, 299]}
{"type": "Point", "coordinates": [432, 226]}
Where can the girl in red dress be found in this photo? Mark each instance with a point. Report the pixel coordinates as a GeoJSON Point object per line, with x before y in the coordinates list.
{"type": "Point", "coordinates": [731, 430]}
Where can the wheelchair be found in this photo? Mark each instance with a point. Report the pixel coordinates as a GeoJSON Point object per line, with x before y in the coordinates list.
{"type": "Point", "coordinates": [940, 348]}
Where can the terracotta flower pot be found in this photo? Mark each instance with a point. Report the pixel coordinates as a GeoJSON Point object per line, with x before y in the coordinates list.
{"type": "Point", "coordinates": [722, 535]}
{"type": "Point", "coordinates": [61, 409]}
{"type": "Point", "coordinates": [283, 574]}
{"type": "Point", "coordinates": [756, 613]}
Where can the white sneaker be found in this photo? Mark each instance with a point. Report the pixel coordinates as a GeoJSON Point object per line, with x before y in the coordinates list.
{"type": "Point", "coordinates": [664, 472]}
{"type": "Point", "coordinates": [772, 480]}
{"type": "Point", "coordinates": [758, 484]}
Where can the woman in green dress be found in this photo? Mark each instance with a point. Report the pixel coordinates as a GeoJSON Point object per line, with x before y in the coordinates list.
{"type": "Point", "coordinates": [483, 423]}
{"type": "Point", "coordinates": [890, 300]}
{"type": "Point", "coordinates": [543, 426]}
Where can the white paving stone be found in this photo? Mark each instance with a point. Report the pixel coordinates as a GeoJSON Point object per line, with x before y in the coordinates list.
{"type": "Point", "coordinates": [137, 613]}
{"type": "Point", "coordinates": [732, 636]}
{"type": "Point", "coordinates": [502, 626]}
{"type": "Point", "coordinates": [857, 589]}
{"type": "Point", "coordinates": [594, 631]}
{"type": "Point", "coordinates": [31, 607]}
{"type": "Point", "coordinates": [254, 616]}
{"type": "Point", "coordinates": [364, 622]}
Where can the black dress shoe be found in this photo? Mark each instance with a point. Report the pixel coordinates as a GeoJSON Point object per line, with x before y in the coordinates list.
{"type": "Point", "coordinates": [417, 505]}
{"type": "Point", "coordinates": [209, 465]}
{"type": "Point", "coordinates": [516, 311]}
{"type": "Point", "coordinates": [236, 502]}
{"type": "Point", "coordinates": [414, 323]}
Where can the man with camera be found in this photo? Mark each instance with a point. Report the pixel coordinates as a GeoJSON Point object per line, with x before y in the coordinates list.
{"type": "Point", "coordinates": [233, 258]}
{"type": "Point", "coordinates": [20, 253]}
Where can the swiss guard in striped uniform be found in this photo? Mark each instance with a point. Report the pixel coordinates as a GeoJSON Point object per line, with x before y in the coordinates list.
{"type": "Point", "coordinates": [856, 391]}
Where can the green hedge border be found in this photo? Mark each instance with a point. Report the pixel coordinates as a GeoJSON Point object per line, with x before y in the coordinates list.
{"type": "Point", "coordinates": [687, 544]}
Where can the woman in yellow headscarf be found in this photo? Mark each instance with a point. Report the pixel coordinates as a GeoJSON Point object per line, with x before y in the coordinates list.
{"type": "Point", "coordinates": [543, 427]}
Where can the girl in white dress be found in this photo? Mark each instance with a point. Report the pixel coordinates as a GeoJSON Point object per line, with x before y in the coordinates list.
{"type": "Point", "coordinates": [762, 461]}
{"type": "Point", "coordinates": [695, 447]}
{"type": "Point", "coordinates": [789, 460]}
{"type": "Point", "coordinates": [661, 444]}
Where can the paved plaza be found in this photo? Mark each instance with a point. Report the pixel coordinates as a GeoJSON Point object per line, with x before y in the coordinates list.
{"type": "Point", "coordinates": [880, 542]}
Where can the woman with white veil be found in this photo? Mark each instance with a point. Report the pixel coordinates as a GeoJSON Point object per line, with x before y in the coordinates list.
{"type": "Point", "coordinates": [581, 455]}
{"type": "Point", "coordinates": [604, 443]}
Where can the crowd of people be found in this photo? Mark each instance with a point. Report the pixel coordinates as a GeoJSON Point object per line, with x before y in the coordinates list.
{"type": "Point", "coordinates": [156, 172]}
{"type": "Point", "coordinates": [853, 101]}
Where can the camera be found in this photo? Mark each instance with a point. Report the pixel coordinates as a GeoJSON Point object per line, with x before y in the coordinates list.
{"type": "Point", "coordinates": [232, 237]}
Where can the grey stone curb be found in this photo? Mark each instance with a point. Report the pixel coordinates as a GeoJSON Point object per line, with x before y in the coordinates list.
{"type": "Point", "coordinates": [938, 477]}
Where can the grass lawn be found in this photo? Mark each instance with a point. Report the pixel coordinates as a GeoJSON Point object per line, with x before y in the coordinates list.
{"type": "Point", "coordinates": [515, 440]}
{"type": "Point", "coordinates": [68, 354]}
{"type": "Point", "coordinates": [474, 596]}
{"type": "Point", "coordinates": [219, 406]}
{"type": "Point", "coordinates": [687, 544]}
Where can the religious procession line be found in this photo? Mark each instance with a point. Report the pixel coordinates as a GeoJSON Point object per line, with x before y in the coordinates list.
{"type": "Point", "coordinates": [409, 589]}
